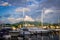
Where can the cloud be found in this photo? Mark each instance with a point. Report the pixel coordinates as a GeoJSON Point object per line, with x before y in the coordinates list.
{"type": "Point", "coordinates": [34, 1]}
{"type": "Point", "coordinates": [5, 4]}
{"type": "Point", "coordinates": [51, 3]}
{"type": "Point", "coordinates": [16, 20]}
{"type": "Point", "coordinates": [22, 9]}
{"type": "Point", "coordinates": [48, 11]}
{"type": "Point", "coordinates": [27, 18]}
{"type": "Point", "coordinates": [52, 17]}
{"type": "Point", "coordinates": [33, 6]}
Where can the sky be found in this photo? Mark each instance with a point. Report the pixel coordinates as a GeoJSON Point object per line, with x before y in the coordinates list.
{"type": "Point", "coordinates": [14, 11]}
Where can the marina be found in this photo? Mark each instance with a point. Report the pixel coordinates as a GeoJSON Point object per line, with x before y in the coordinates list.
{"type": "Point", "coordinates": [33, 34]}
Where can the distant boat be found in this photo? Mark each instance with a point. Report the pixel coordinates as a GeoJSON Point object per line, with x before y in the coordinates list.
{"type": "Point", "coordinates": [38, 30]}
{"type": "Point", "coordinates": [33, 30]}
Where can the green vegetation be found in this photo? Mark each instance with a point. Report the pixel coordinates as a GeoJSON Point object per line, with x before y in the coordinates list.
{"type": "Point", "coordinates": [26, 22]}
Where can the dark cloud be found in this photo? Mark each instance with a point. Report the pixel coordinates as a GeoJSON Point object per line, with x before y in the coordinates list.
{"type": "Point", "coordinates": [51, 3]}
{"type": "Point", "coordinates": [52, 17]}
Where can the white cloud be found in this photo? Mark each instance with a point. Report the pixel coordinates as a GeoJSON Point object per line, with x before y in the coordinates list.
{"type": "Point", "coordinates": [48, 11]}
{"type": "Point", "coordinates": [5, 4]}
{"type": "Point", "coordinates": [27, 18]}
{"type": "Point", "coordinates": [22, 9]}
{"type": "Point", "coordinates": [16, 20]}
